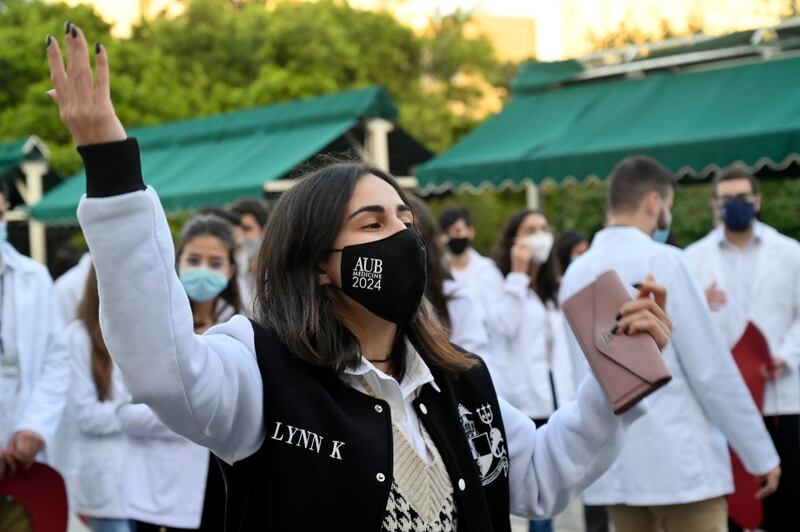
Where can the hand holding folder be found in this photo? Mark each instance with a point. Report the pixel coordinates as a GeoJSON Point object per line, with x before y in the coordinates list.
{"type": "Point", "coordinates": [627, 363]}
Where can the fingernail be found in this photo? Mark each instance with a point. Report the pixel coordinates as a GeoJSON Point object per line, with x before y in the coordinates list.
{"type": "Point", "coordinates": [628, 332]}
{"type": "Point", "coordinates": [97, 48]}
{"type": "Point", "coordinates": [615, 329]}
{"type": "Point", "coordinates": [48, 40]}
{"type": "Point", "coordinates": [73, 32]}
{"type": "Point", "coordinates": [637, 285]}
{"type": "Point", "coordinates": [618, 316]}
{"type": "Point", "coordinates": [67, 27]}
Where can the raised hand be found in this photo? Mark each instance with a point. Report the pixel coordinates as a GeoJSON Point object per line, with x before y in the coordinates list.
{"type": "Point", "coordinates": [84, 100]}
{"type": "Point", "coordinates": [521, 256]}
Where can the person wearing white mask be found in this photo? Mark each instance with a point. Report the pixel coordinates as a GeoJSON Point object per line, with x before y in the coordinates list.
{"type": "Point", "coordinates": [675, 470]}
{"type": "Point", "coordinates": [34, 360]}
{"type": "Point", "coordinates": [751, 274]}
{"type": "Point", "coordinates": [532, 352]}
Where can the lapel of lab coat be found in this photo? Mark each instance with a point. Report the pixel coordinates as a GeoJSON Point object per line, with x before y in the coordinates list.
{"type": "Point", "coordinates": [18, 283]}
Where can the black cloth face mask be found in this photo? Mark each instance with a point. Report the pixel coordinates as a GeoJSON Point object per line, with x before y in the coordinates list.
{"type": "Point", "coordinates": [457, 246]}
{"type": "Point", "coordinates": [387, 276]}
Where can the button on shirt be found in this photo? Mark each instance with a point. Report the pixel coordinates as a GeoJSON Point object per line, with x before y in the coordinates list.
{"type": "Point", "coordinates": [399, 395]}
{"type": "Point", "coordinates": [739, 267]}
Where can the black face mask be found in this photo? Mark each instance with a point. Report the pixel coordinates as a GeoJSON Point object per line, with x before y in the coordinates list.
{"type": "Point", "coordinates": [386, 276]}
{"type": "Point", "coordinates": [457, 246]}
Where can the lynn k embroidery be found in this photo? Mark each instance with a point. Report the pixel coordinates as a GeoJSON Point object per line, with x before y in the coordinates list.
{"type": "Point", "coordinates": [368, 274]}
{"type": "Point", "coordinates": [485, 442]}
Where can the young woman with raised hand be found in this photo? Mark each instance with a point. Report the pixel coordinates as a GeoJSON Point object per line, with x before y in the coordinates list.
{"type": "Point", "coordinates": [343, 402]}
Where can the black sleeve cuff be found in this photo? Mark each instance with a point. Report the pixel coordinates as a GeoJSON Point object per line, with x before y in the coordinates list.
{"type": "Point", "coordinates": [112, 168]}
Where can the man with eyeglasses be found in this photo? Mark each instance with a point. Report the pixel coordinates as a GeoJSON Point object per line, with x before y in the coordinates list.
{"type": "Point", "coordinates": [751, 274]}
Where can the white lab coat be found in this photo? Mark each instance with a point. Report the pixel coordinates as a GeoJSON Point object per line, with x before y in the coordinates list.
{"type": "Point", "coordinates": [675, 454]}
{"type": "Point", "coordinates": [467, 329]}
{"type": "Point", "coordinates": [164, 474]}
{"type": "Point", "coordinates": [95, 477]}
{"type": "Point", "coordinates": [775, 306]}
{"type": "Point", "coordinates": [483, 281]}
{"type": "Point", "coordinates": [531, 343]}
{"type": "Point", "coordinates": [70, 288]}
{"type": "Point", "coordinates": [41, 351]}
{"type": "Point", "coordinates": [209, 389]}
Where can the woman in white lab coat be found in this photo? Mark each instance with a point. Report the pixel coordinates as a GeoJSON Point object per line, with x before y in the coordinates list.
{"type": "Point", "coordinates": [532, 353]}
{"type": "Point", "coordinates": [95, 477]}
{"type": "Point", "coordinates": [127, 469]}
{"type": "Point", "coordinates": [534, 357]}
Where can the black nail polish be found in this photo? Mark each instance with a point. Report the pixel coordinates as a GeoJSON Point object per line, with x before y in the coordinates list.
{"type": "Point", "coordinates": [67, 27]}
{"type": "Point", "coordinates": [97, 48]}
{"type": "Point", "coordinates": [637, 285]}
{"type": "Point", "coordinates": [615, 329]}
{"type": "Point", "coordinates": [73, 32]}
{"type": "Point", "coordinates": [48, 40]}
{"type": "Point", "coordinates": [618, 316]}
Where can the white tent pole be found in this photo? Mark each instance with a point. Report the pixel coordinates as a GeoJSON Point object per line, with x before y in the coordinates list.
{"type": "Point", "coordinates": [532, 196]}
{"type": "Point", "coordinates": [376, 142]}
{"type": "Point", "coordinates": [34, 172]}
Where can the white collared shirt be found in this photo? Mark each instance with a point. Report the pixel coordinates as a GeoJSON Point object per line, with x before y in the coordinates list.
{"type": "Point", "coordinates": [739, 267]}
{"type": "Point", "coordinates": [399, 395]}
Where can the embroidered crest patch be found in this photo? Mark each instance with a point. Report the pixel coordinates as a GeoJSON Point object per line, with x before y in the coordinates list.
{"type": "Point", "coordinates": [485, 442]}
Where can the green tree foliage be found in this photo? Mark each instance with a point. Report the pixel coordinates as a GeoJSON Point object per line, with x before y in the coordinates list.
{"type": "Point", "coordinates": [222, 55]}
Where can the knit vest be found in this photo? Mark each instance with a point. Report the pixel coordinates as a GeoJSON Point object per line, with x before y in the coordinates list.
{"type": "Point", "coordinates": [327, 458]}
{"type": "Point", "coordinates": [421, 497]}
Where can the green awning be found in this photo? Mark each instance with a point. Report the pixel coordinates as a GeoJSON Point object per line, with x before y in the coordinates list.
{"type": "Point", "coordinates": [215, 160]}
{"type": "Point", "coordinates": [693, 122]}
{"type": "Point", "coordinates": [14, 152]}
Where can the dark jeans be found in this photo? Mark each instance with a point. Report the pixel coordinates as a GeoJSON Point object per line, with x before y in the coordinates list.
{"type": "Point", "coordinates": [782, 508]}
{"type": "Point", "coordinates": [595, 518]}
{"type": "Point", "coordinates": [544, 525]}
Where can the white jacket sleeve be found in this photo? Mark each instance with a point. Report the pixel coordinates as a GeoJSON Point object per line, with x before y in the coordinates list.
{"type": "Point", "coordinates": [92, 416]}
{"type": "Point", "coordinates": [551, 465]}
{"type": "Point", "coordinates": [45, 407]}
{"type": "Point", "coordinates": [139, 420]}
{"type": "Point", "coordinates": [713, 376]}
{"type": "Point", "coordinates": [206, 388]}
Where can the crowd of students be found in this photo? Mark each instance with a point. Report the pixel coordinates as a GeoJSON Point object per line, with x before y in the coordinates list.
{"type": "Point", "coordinates": [347, 399]}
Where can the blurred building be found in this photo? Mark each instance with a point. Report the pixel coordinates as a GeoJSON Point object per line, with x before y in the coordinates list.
{"type": "Point", "coordinates": [572, 28]}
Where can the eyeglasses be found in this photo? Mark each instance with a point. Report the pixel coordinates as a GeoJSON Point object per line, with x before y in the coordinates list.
{"type": "Point", "coordinates": [724, 200]}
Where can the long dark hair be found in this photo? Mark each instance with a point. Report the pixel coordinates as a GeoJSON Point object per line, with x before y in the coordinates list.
{"type": "Point", "coordinates": [213, 225]}
{"type": "Point", "coordinates": [564, 245]}
{"type": "Point", "coordinates": [437, 271]}
{"type": "Point", "coordinates": [546, 283]}
{"type": "Point", "coordinates": [89, 315]}
{"type": "Point", "coordinates": [300, 232]}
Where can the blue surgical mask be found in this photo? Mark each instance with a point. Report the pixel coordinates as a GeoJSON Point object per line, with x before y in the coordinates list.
{"type": "Point", "coordinates": [738, 214]}
{"type": "Point", "coordinates": [202, 284]}
{"type": "Point", "coordinates": [661, 234]}
{"type": "Point", "coordinates": [3, 232]}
